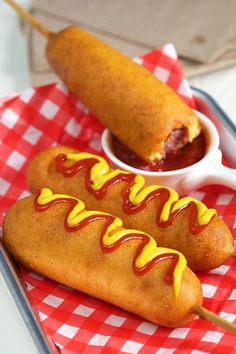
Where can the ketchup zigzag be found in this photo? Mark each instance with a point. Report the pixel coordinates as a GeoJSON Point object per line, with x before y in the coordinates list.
{"type": "Point", "coordinates": [113, 235]}
{"type": "Point", "coordinates": [135, 194]}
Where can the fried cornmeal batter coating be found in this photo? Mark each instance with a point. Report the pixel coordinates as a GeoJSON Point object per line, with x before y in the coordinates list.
{"type": "Point", "coordinates": [139, 109]}
{"type": "Point", "coordinates": [39, 240]}
{"type": "Point", "coordinates": [204, 251]}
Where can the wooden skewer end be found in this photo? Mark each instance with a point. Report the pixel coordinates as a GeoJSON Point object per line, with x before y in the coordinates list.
{"type": "Point", "coordinates": [213, 318]}
{"type": "Point", "coordinates": [25, 15]}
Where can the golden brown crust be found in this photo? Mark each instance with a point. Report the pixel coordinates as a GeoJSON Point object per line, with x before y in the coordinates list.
{"type": "Point", "coordinates": [40, 242]}
{"type": "Point", "coordinates": [205, 251]}
{"type": "Point", "coordinates": [139, 109]}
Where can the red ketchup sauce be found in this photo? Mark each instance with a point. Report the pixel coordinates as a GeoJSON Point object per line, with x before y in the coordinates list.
{"type": "Point", "coordinates": [174, 160]}
{"type": "Point", "coordinates": [169, 278]}
{"type": "Point", "coordinates": [162, 193]}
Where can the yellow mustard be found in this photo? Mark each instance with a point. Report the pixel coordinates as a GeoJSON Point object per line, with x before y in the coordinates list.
{"type": "Point", "coordinates": [101, 173]}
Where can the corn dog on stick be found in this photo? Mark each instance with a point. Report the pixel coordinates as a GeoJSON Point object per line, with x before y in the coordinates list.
{"type": "Point", "coordinates": [184, 224]}
{"type": "Point", "coordinates": [141, 111]}
{"type": "Point", "coordinates": [55, 235]}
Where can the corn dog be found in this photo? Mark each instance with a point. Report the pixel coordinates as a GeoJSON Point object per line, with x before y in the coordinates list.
{"type": "Point", "coordinates": [143, 113]}
{"type": "Point", "coordinates": [55, 235]}
{"type": "Point", "coordinates": [183, 224]}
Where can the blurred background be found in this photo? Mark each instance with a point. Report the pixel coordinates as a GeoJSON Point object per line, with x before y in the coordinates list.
{"type": "Point", "coordinates": [203, 32]}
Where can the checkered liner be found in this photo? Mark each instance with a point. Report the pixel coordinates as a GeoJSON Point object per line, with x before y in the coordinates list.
{"type": "Point", "coordinates": [48, 116]}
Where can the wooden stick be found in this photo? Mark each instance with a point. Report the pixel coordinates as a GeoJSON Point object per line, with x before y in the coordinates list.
{"type": "Point", "coordinates": [234, 253]}
{"type": "Point", "coordinates": [29, 18]}
{"type": "Point", "coordinates": [212, 317]}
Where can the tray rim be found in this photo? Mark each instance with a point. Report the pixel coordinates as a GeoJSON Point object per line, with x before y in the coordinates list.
{"type": "Point", "coordinates": [22, 303]}
{"type": "Point", "coordinates": [217, 109]}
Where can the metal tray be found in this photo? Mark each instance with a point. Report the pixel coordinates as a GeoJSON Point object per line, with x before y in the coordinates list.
{"type": "Point", "coordinates": [8, 274]}
{"type": "Point", "coordinates": [21, 330]}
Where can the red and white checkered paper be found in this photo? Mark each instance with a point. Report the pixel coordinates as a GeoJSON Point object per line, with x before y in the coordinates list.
{"type": "Point", "coordinates": [48, 116]}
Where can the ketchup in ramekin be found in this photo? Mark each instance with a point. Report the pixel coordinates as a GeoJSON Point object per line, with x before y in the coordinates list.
{"type": "Point", "coordinates": [174, 160]}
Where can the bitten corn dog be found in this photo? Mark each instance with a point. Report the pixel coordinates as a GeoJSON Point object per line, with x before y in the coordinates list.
{"type": "Point", "coordinates": [185, 224]}
{"type": "Point", "coordinates": [55, 235]}
{"type": "Point", "coordinates": [142, 112]}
